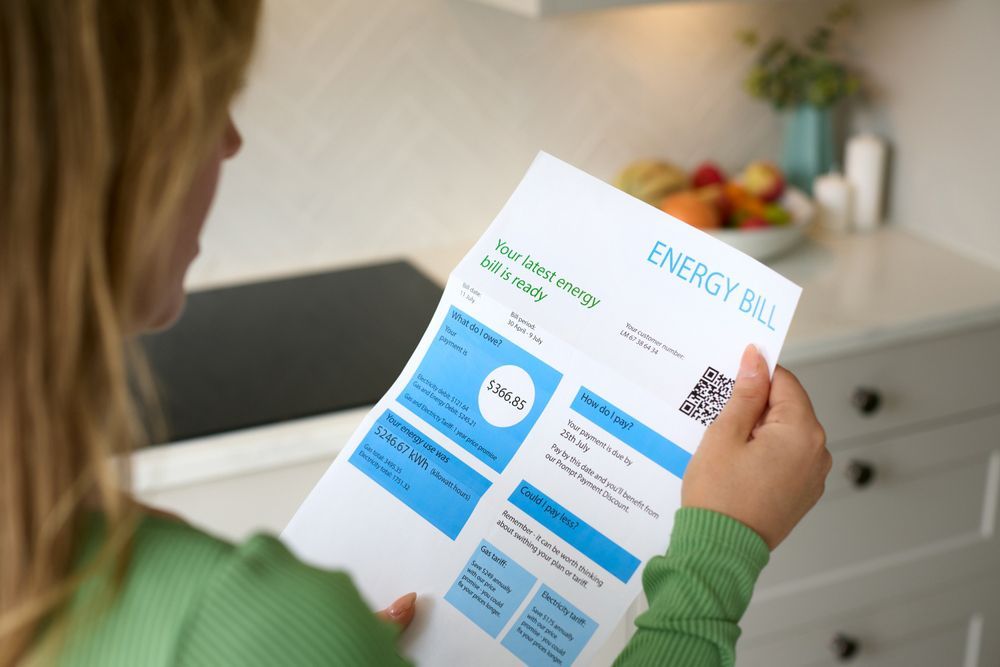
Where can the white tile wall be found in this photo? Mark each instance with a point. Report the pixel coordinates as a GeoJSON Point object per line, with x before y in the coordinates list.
{"type": "Point", "coordinates": [937, 98]}
{"type": "Point", "coordinates": [373, 127]}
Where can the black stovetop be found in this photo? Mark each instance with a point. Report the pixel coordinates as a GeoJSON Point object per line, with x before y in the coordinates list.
{"type": "Point", "coordinates": [271, 351]}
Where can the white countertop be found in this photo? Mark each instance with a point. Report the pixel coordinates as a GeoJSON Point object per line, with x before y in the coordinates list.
{"type": "Point", "coordinates": [859, 291]}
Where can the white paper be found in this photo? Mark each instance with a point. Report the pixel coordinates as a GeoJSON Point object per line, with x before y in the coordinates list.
{"type": "Point", "coordinates": [522, 511]}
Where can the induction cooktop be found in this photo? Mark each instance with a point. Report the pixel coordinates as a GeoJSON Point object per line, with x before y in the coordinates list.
{"type": "Point", "coordinates": [272, 351]}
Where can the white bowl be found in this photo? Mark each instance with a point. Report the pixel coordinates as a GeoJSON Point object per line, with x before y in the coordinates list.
{"type": "Point", "coordinates": [768, 242]}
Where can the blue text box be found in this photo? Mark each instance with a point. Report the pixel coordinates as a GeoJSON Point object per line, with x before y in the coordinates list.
{"type": "Point", "coordinates": [410, 466]}
{"type": "Point", "coordinates": [490, 588]}
{"type": "Point", "coordinates": [444, 390]}
{"type": "Point", "coordinates": [550, 631]}
{"type": "Point", "coordinates": [583, 537]}
{"type": "Point", "coordinates": [632, 432]}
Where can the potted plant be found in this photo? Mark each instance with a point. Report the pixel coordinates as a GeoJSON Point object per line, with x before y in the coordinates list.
{"type": "Point", "coordinates": [806, 81]}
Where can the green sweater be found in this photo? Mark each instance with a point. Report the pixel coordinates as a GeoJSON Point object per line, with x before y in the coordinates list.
{"type": "Point", "coordinates": [189, 599]}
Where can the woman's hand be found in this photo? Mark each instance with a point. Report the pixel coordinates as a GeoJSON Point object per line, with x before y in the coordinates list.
{"type": "Point", "coordinates": [764, 460]}
{"type": "Point", "coordinates": [401, 611]}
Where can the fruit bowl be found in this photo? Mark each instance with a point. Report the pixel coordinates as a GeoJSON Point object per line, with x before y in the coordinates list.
{"type": "Point", "coordinates": [769, 242]}
{"type": "Point", "coordinates": [755, 212]}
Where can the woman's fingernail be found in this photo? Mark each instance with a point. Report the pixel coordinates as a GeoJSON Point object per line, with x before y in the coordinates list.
{"type": "Point", "coordinates": [403, 605]}
{"type": "Point", "coordinates": [750, 362]}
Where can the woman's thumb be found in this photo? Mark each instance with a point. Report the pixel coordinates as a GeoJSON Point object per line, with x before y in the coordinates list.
{"type": "Point", "coordinates": [750, 393]}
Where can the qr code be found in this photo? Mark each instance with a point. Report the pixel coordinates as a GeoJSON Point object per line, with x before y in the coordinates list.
{"type": "Point", "coordinates": [708, 397]}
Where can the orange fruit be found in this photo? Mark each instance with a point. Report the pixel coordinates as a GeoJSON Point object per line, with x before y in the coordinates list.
{"type": "Point", "coordinates": [755, 207]}
{"type": "Point", "coordinates": [735, 193]}
{"type": "Point", "coordinates": [692, 209]}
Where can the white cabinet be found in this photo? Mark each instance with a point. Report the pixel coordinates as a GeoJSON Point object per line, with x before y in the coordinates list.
{"type": "Point", "coordinates": [899, 385]}
{"type": "Point", "coordinates": [901, 558]}
{"type": "Point", "coordinates": [536, 8]}
{"type": "Point", "coordinates": [931, 492]}
{"type": "Point", "coordinates": [956, 625]}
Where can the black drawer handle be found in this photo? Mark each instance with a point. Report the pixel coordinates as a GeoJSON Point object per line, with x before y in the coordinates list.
{"type": "Point", "coordinates": [844, 647]}
{"type": "Point", "coordinates": [860, 473]}
{"type": "Point", "coordinates": [867, 400]}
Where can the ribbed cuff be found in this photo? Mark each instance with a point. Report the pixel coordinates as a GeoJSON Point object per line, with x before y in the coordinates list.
{"type": "Point", "coordinates": [696, 529]}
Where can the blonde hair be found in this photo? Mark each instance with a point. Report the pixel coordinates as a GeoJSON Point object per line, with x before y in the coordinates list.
{"type": "Point", "coordinates": [108, 108]}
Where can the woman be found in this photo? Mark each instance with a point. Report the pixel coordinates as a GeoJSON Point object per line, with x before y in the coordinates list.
{"type": "Point", "coordinates": [115, 122]}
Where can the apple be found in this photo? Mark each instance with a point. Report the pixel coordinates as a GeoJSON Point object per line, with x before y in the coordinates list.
{"type": "Point", "coordinates": [763, 180]}
{"type": "Point", "coordinates": [716, 196]}
{"type": "Point", "coordinates": [754, 223]}
{"type": "Point", "coordinates": [707, 173]}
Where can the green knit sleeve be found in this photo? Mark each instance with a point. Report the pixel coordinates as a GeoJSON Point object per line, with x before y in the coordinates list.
{"type": "Point", "coordinates": [697, 593]}
{"type": "Point", "coordinates": [264, 607]}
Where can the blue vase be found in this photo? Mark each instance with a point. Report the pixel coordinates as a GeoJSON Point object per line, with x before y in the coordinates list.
{"type": "Point", "coordinates": [808, 147]}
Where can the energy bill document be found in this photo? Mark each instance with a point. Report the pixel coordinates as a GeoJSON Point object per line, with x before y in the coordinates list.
{"type": "Point", "coordinates": [528, 460]}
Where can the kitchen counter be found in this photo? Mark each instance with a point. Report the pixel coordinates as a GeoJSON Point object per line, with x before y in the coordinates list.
{"type": "Point", "coordinates": [859, 292]}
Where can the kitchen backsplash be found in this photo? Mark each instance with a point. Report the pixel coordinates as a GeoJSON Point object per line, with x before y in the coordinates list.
{"type": "Point", "coordinates": [374, 128]}
{"type": "Point", "coordinates": [937, 98]}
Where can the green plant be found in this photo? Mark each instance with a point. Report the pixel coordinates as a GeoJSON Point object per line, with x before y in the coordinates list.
{"type": "Point", "coordinates": [787, 74]}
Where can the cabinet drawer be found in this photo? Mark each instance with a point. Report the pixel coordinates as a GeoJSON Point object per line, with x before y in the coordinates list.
{"type": "Point", "coordinates": [927, 516]}
{"type": "Point", "coordinates": [929, 491]}
{"type": "Point", "coordinates": [912, 382]}
{"type": "Point", "coordinates": [956, 625]}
